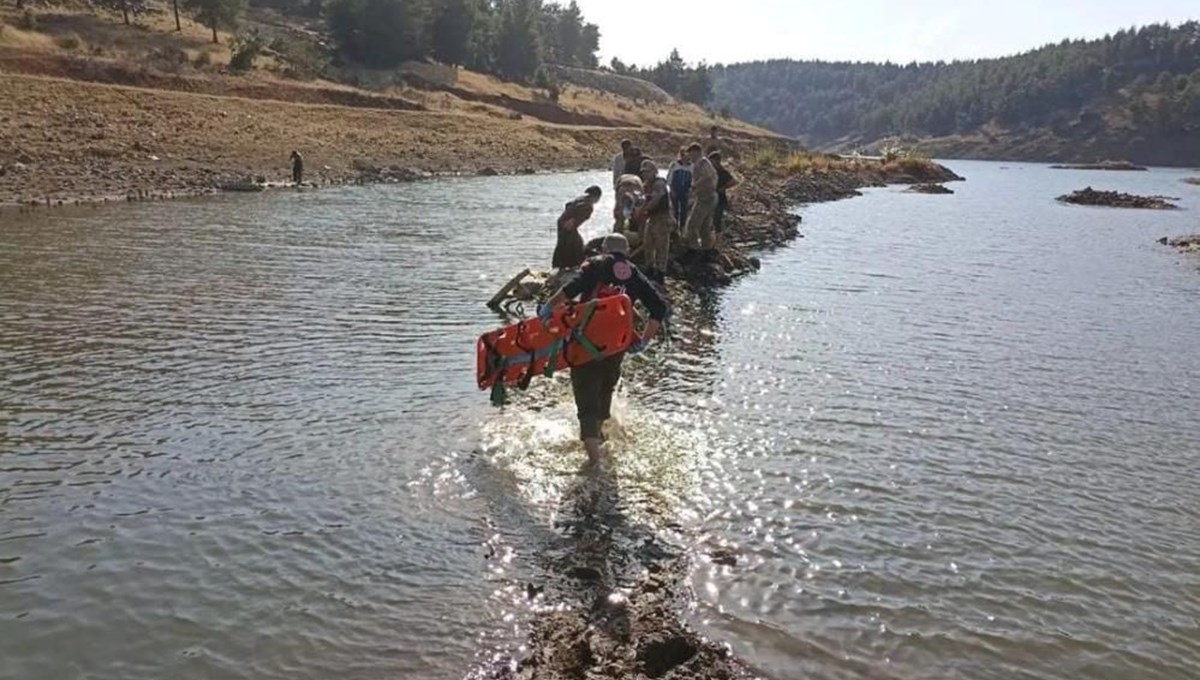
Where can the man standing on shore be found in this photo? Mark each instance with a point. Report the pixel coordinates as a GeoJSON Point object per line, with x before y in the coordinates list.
{"type": "Point", "coordinates": [297, 168]}
{"type": "Point", "coordinates": [679, 178]}
{"type": "Point", "coordinates": [725, 182]}
{"type": "Point", "coordinates": [618, 164]}
{"type": "Point", "coordinates": [655, 214]}
{"type": "Point", "coordinates": [703, 199]}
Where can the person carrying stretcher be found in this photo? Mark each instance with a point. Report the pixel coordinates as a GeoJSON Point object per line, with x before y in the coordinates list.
{"type": "Point", "coordinates": [593, 383]}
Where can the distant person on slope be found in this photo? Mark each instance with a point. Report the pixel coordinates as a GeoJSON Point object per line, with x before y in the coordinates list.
{"type": "Point", "coordinates": [618, 164]}
{"type": "Point", "coordinates": [297, 168]}
{"type": "Point", "coordinates": [703, 200]}
{"type": "Point", "coordinates": [593, 383]}
{"type": "Point", "coordinates": [568, 251]}
{"type": "Point", "coordinates": [655, 214]}
{"type": "Point", "coordinates": [679, 178]}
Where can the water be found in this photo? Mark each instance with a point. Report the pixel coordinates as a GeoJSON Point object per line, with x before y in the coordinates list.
{"type": "Point", "coordinates": [942, 436]}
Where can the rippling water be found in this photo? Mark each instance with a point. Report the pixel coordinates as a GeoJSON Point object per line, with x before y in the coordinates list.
{"type": "Point", "coordinates": [943, 436]}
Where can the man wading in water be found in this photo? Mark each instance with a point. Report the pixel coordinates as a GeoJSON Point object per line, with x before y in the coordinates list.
{"type": "Point", "coordinates": [594, 383]}
{"type": "Point", "coordinates": [568, 252]}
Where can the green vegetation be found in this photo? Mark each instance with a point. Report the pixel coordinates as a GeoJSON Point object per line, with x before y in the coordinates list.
{"type": "Point", "coordinates": [1147, 79]}
{"type": "Point", "coordinates": [246, 49]}
{"type": "Point", "coordinates": [690, 83]}
{"type": "Point", "coordinates": [511, 38]}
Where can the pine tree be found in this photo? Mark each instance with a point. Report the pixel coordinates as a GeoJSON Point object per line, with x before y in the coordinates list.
{"type": "Point", "coordinates": [697, 86]}
{"type": "Point", "coordinates": [518, 40]}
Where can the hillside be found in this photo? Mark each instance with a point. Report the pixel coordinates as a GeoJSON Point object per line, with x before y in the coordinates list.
{"type": "Point", "coordinates": [93, 108]}
{"type": "Point", "coordinates": [1133, 95]}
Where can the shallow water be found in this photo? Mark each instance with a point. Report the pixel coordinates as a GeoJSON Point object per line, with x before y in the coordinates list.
{"type": "Point", "coordinates": [944, 436]}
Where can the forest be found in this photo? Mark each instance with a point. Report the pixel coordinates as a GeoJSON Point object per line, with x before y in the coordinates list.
{"type": "Point", "coordinates": [509, 38]}
{"type": "Point", "coordinates": [1145, 80]}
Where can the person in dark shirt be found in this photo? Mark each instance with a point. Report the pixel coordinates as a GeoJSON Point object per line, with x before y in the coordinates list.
{"type": "Point", "coordinates": [593, 383]}
{"type": "Point", "coordinates": [725, 182]}
{"type": "Point", "coordinates": [633, 162]}
{"type": "Point", "coordinates": [297, 168]}
{"type": "Point", "coordinates": [568, 251]}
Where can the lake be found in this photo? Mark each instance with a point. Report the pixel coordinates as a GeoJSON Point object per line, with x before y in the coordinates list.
{"type": "Point", "coordinates": [941, 436]}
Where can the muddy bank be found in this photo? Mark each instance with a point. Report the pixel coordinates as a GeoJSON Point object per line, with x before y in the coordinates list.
{"type": "Point", "coordinates": [64, 142]}
{"type": "Point", "coordinates": [1114, 199]}
{"type": "Point", "coordinates": [614, 634]}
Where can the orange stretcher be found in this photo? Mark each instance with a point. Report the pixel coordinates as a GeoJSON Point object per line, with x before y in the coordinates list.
{"type": "Point", "coordinates": [577, 333]}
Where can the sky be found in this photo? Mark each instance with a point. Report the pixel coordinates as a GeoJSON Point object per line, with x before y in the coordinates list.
{"type": "Point", "coordinates": [726, 31]}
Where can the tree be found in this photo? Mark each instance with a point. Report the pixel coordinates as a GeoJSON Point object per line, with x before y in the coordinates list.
{"type": "Point", "coordinates": [697, 86]}
{"type": "Point", "coordinates": [568, 35]}
{"type": "Point", "coordinates": [518, 40]}
{"type": "Point", "coordinates": [125, 7]}
{"type": "Point", "coordinates": [379, 33]}
{"type": "Point", "coordinates": [175, 6]}
{"type": "Point", "coordinates": [669, 74]}
{"type": "Point", "coordinates": [589, 45]}
{"type": "Point", "coordinates": [452, 27]}
{"type": "Point", "coordinates": [216, 13]}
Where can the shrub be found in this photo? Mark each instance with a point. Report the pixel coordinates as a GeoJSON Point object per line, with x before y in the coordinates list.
{"type": "Point", "coordinates": [304, 57]}
{"type": "Point", "coordinates": [763, 158]}
{"type": "Point", "coordinates": [202, 60]}
{"type": "Point", "coordinates": [246, 49]}
{"type": "Point", "coordinates": [69, 41]}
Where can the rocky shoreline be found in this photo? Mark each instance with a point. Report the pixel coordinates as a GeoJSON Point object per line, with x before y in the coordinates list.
{"type": "Point", "coordinates": [1114, 199]}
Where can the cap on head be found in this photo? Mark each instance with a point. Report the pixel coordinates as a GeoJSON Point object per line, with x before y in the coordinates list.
{"type": "Point", "coordinates": [715, 156]}
{"type": "Point", "coordinates": [695, 148]}
{"type": "Point", "coordinates": [615, 243]}
{"type": "Point", "coordinates": [593, 191]}
{"type": "Point", "coordinates": [649, 166]}
{"type": "Point", "coordinates": [626, 144]}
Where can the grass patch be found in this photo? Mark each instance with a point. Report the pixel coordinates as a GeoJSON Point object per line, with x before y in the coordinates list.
{"type": "Point", "coordinates": [11, 36]}
{"type": "Point", "coordinates": [911, 164]}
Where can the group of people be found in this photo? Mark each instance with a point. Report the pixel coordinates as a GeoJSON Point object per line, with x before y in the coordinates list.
{"type": "Point", "coordinates": [688, 203]}
{"type": "Point", "coordinates": [693, 196]}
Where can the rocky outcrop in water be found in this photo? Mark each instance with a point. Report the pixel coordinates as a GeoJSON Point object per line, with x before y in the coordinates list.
{"type": "Point", "coordinates": [1102, 165]}
{"type": "Point", "coordinates": [936, 189]}
{"type": "Point", "coordinates": [1193, 180]}
{"type": "Point", "coordinates": [1184, 244]}
{"type": "Point", "coordinates": [1113, 199]}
